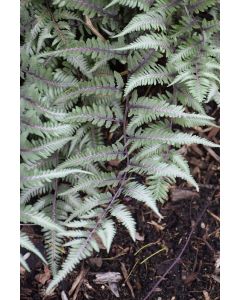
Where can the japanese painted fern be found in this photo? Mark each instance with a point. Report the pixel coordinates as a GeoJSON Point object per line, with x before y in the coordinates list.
{"type": "Point", "coordinates": [99, 86]}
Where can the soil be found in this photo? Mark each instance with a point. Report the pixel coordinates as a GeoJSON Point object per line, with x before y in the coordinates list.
{"type": "Point", "coordinates": [195, 277]}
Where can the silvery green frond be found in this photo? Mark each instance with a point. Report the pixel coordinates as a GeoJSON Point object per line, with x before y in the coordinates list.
{"type": "Point", "coordinates": [123, 215]}
{"type": "Point", "coordinates": [26, 243]}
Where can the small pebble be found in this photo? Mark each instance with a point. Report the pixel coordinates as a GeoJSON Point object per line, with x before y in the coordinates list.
{"type": "Point", "coordinates": [203, 226]}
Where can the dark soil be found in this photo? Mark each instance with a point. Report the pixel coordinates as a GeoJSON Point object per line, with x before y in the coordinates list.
{"type": "Point", "coordinates": [195, 277]}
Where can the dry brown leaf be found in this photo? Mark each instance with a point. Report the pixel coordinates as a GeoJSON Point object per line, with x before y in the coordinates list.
{"type": "Point", "coordinates": [190, 278]}
{"type": "Point", "coordinates": [43, 277]}
{"type": "Point", "coordinates": [214, 131]}
{"type": "Point", "coordinates": [158, 227]}
{"type": "Point", "coordinates": [114, 162]}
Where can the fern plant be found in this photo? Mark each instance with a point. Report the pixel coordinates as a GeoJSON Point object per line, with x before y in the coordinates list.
{"type": "Point", "coordinates": [98, 86]}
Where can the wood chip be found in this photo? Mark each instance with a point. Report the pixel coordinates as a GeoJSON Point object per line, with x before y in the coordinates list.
{"type": "Point", "coordinates": [110, 278]}
{"type": "Point", "coordinates": [107, 277]}
{"type": "Point", "coordinates": [126, 277]}
{"type": "Point", "coordinates": [114, 288]}
{"type": "Point", "coordinates": [183, 194]}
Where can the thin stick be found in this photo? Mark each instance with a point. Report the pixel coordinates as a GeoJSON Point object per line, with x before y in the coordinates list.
{"type": "Point", "coordinates": [146, 246]}
{"type": "Point", "coordinates": [153, 254]}
{"type": "Point", "coordinates": [89, 24]}
{"type": "Point", "coordinates": [177, 260]}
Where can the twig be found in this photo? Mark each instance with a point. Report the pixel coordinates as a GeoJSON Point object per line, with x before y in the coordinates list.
{"type": "Point", "coordinates": [213, 215]}
{"type": "Point", "coordinates": [126, 277]}
{"type": "Point", "coordinates": [212, 153]}
{"type": "Point", "coordinates": [153, 254]}
{"type": "Point", "coordinates": [78, 281]}
{"type": "Point", "coordinates": [133, 268]}
{"type": "Point", "coordinates": [89, 24]}
{"type": "Point", "coordinates": [146, 246]}
{"type": "Point", "coordinates": [177, 260]}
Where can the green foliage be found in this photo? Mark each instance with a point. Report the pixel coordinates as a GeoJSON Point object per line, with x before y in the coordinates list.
{"type": "Point", "coordinates": [107, 99]}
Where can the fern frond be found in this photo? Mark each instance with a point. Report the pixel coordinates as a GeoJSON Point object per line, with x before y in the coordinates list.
{"type": "Point", "coordinates": [38, 150]}
{"type": "Point", "coordinates": [48, 129]}
{"type": "Point", "coordinates": [28, 193]}
{"type": "Point", "coordinates": [100, 180]}
{"type": "Point", "coordinates": [28, 214]}
{"type": "Point", "coordinates": [156, 135]}
{"type": "Point", "coordinates": [101, 153]}
{"type": "Point", "coordinates": [152, 167]}
{"type": "Point", "coordinates": [143, 194]}
{"type": "Point", "coordinates": [73, 258]}
{"type": "Point", "coordinates": [88, 7]}
{"type": "Point", "coordinates": [107, 233]}
{"type": "Point", "coordinates": [91, 47]}
{"type": "Point", "coordinates": [146, 21]}
{"type": "Point", "coordinates": [123, 215]}
{"type": "Point", "coordinates": [148, 41]}
{"type": "Point", "coordinates": [141, 4]}
{"type": "Point", "coordinates": [53, 246]}
{"type": "Point", "coordinates": [98, 115]}
{"type": "Point", "coordinates": [88, 205]}
{"type": "Point", "coordinates": [39, 177]}
{"type": "Point", "coordinates": [147, 77]}
{"type": "Point", "coordinates": [26, 243]}
{"type": "Point", "coordinates": [24, 263]}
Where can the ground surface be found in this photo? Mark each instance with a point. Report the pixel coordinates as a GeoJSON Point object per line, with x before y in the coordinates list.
{"type": "Point", "coordinates": [197, 274]}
